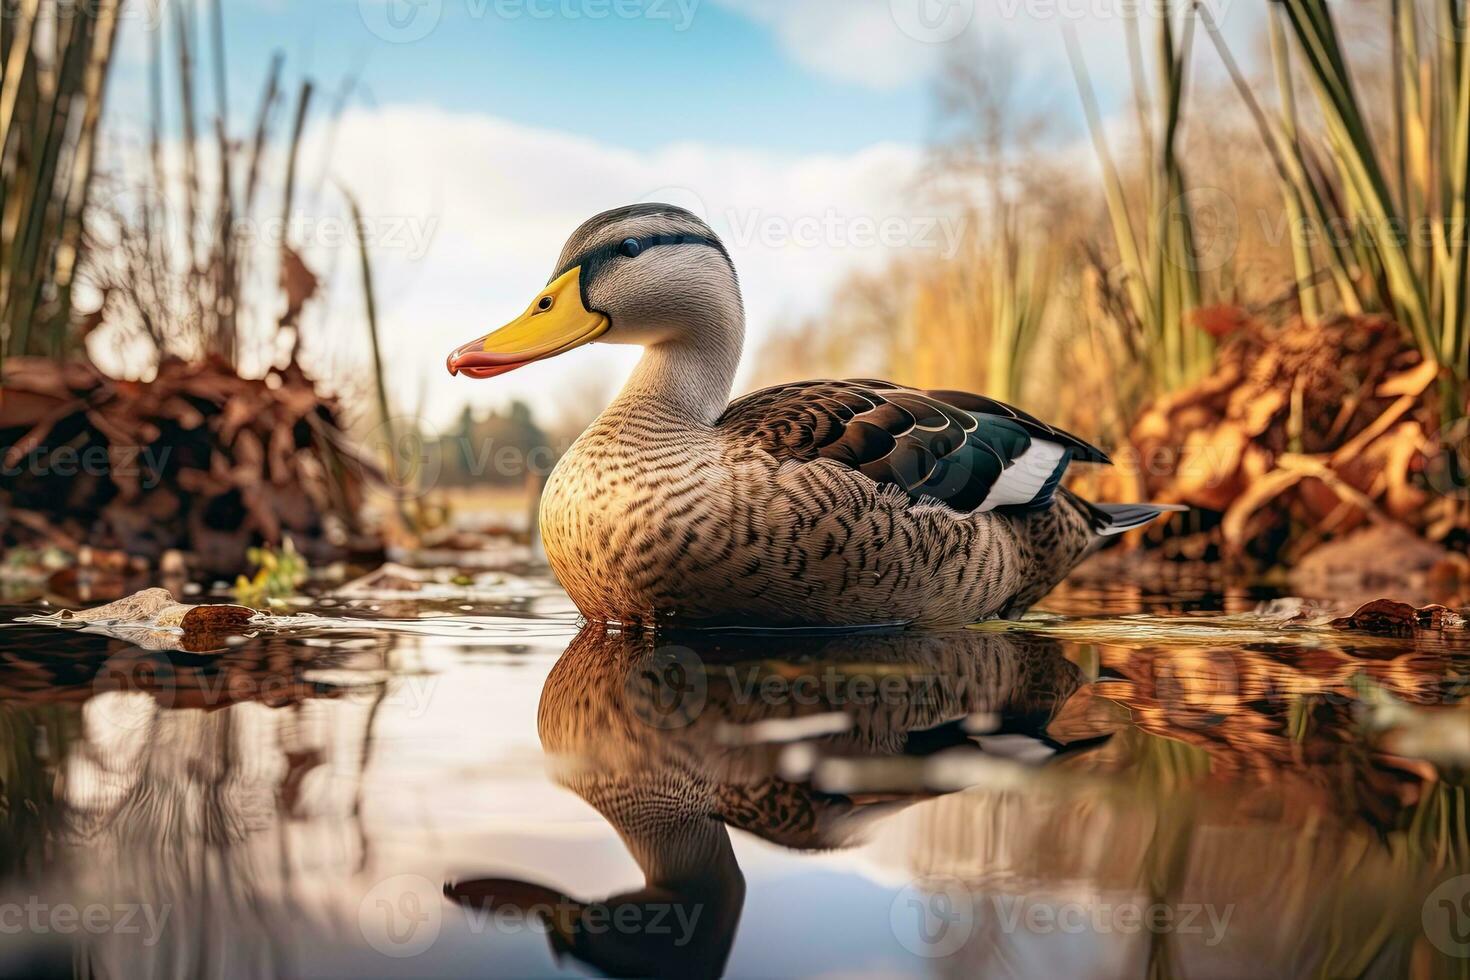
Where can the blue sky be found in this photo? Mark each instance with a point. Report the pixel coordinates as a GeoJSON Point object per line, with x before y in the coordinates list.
{"type": "Point", "coordinates": [682, 70]}
{"type": "Point", "coordinates": [481, 132]}
{"type": "Point", "coordinates": [626, 81]}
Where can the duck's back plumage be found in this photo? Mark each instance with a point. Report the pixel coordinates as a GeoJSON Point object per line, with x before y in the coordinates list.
{"type": "Point", "coordinates": [971, 452]}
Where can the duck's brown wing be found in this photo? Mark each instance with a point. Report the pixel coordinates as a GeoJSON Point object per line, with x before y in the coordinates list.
{"type": "Point", "coordinates": [972, 452]}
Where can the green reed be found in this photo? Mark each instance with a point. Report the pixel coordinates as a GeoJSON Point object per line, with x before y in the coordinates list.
{"type": "Point", "coordinates": [1393, 207]}
{"type": "Point", "coordinates": [1154, 228]}
{"type": "Point", "coordinates": [1021, 277]}
{"type": "Point", "coordinates": [56, 58]}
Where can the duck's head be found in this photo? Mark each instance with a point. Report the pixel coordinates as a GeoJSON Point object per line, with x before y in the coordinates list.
{"type": "Point", "coordinates": [644, 274]}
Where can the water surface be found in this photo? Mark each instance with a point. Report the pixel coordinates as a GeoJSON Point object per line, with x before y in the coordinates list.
{"type": "Point", "coordinates": [463, 783]}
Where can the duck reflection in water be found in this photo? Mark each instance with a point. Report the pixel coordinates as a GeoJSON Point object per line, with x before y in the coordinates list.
{"type": "Point", "coordinates": [675, 738]}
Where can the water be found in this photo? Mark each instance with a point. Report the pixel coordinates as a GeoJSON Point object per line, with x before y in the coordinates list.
{"type": "Point", "coordinates": [1126, 785]}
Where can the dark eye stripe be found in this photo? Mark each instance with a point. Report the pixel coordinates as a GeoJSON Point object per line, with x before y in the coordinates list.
{"type": "Point", "coordinates": [593, 257]}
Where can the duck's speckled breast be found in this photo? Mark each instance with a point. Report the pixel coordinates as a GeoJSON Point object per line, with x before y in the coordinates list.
{"type": "Point", "coordinates": [640, 516]}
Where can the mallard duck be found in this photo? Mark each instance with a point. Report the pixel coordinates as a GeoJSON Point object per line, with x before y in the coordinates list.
{"type": "Point", "coordinates": [816, 503]}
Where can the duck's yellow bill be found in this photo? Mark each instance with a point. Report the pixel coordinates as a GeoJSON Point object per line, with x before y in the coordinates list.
{"type": "Point", "coordinates": [554, 323]}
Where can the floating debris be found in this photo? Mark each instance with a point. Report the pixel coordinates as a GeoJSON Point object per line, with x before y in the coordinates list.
{"type": "Point", "coordinates": [393, 581]}
{"type": "Point", "coordinates": [155, 608]}
{"type": "Point", "coordinates": [154, 620]}
{"type": "Point", "coordinates": [1400, 618]}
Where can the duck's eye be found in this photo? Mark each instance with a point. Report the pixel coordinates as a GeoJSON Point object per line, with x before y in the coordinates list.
{"type": "Point", "coordinates": [544, 304]}
{"type": "Point", "coordinates": [630, 247]}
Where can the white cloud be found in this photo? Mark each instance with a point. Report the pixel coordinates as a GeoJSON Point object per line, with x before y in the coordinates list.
{"type": "Point", "coordinates": [883, 44]}
{"type": "Point", "coordinates": [500, 199]}
{"type": "Point", "coordinates": [851, 40]}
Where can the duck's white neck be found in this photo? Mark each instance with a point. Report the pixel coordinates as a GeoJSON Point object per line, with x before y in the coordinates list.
{"type": "Point", "coordinates": [690, 375]}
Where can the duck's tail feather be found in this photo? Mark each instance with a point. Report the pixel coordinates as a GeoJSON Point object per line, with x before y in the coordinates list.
{"type": "Point", "coordinates": [1109, 519]}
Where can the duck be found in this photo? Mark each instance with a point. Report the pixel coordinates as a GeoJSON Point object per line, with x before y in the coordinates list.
{"type": "Point", "coordinates": [822, 503]}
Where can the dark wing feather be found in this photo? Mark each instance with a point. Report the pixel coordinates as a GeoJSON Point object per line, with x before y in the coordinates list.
{"type": "Point", "coordinates": [1082, 451]}
{"type": "Point", "coordinates": [949, 445]}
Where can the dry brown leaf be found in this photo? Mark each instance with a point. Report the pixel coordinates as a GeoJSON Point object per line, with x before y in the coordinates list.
{"type": "Point", "coordinates": [1256, 495]}
{"type": "Point", "coordinates": [1257, 411]}
{"type": "Point", "coordinates": [1391, 616]}
{"type": "Point", "coordinates": [298, 282]}
{"type": "Point", "coordinates": [1378, 427]}
{"type": "Point", "coordinates": [208, 618]}
{"type": "Point", "coordinates": [1313, 466]}
{"type": "Point", "coordinates": [1397, 452]}
{"type": "Point", "coordinates": [1411, 382]}
{"type": "Point", "coordinates": [1209, 472]}
{"type": "Point", "coordinates": [1220, 320]}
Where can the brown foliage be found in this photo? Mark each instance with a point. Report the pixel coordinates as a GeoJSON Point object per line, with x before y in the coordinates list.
{"type": "Point", "coordinates": [198, 459]}
{"type": "Point", "coordinates": [1297, 434]}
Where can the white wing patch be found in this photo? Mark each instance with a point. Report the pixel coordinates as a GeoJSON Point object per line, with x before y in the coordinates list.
{"type": "Point", "coordinates": [1020, 482]}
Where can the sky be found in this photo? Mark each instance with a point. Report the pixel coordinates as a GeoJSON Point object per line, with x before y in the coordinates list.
{"type": "Point", "coordinates": [477, 134]}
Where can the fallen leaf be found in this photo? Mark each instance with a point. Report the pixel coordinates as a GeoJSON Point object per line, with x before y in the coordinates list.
{"type": "Point", "coordinates": [1221, 320]}
{"type": "Point", "coordinates": [151, 609]}
{"type": "Point", "coordinates": [1207, 473]}
{"type": "Point", "coordinates": [298, 282]}
{"type": "Point", "coordinates": [1391, 616]}
{"type": "Point", "coordinates": [1256, 496]}
{"type": "Point", "coordinates": [1411, 382]}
